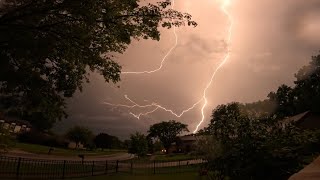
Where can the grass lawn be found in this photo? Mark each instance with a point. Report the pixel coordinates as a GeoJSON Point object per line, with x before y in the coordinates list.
{"type": "Point", "coordinates": [39, 149]}
{"type": "Point", "coordinates": [164, 158]}
{"type": "Point", "coordinates": [184, 176]}
{"type": "Point", "coordinates": [54, 169]}
{"type": "Point", "coordinates": [174, 157]}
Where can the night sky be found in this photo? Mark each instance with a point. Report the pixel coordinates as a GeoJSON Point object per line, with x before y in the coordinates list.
{"type": "Point", "coordinates": [270, 41]}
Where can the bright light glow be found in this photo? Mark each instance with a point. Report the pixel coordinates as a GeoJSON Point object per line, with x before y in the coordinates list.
{"type": "Point", "coordinates": [225, 59]}
{"type": "Point", "coordinates": [223, 5]}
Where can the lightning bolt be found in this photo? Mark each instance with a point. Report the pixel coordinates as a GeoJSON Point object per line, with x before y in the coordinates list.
{"type": "Point", "coordinates": [165, 57]}
{"type": "Point", "coordinates": [157, 106]}
{"type": "Point", "coordinates": [224, 5]}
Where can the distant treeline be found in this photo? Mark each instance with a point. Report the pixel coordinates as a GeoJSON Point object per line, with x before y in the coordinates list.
{"type": "Point", "coordinates": [286, 101]}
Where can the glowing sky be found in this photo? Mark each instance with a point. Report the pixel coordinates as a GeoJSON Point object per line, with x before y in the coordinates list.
{"type": "Point", "coordinates": [271, 40]}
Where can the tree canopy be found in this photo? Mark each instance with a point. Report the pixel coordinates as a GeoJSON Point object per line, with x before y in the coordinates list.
{"type": "Point", "coordinates": [106, 141]}
{"type": "Point", "coordinates": [167, 132]}
{"type": "Point", "coordinates": [239, 147]}
{"type": "Point", "coordinates": [49, 47]}
{"type": "Point", "coordinates": [138, 144]}
{"type": "Point", "coordinates": [224, 119]}
{"type": "Point", "coordinates": [243, 141]}
{"type": "Point", "coordinates": [287, 101]}
{"type": "Point", "coordinates": [79, 135]}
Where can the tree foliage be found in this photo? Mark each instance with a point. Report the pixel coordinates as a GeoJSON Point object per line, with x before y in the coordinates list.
{"type": "Point", "coordinates": [287, 101]}
{"type": "Point", "coordinates": [49, 46]}
{"type": "Point", "coordinates": [6, 140]}
{"type": "Point", "coordinates": [167, 132]}
{"type": "Point", "coordinates": [307, 86]}
{"type": "Point", "coordinates": [106, 141]}
{"type": "Point", "coordinates": [224, 123]}
{"type": "Point", "coordinates": [138, 144]}
{"type": "Point", "coordinates": [239, 147]}
{"type": "Point", "coordinates": [303, 96]}
{"type": "Point", "coordinates": [79, 135]}
{"type": "Point", "coordinates": [259, 109]}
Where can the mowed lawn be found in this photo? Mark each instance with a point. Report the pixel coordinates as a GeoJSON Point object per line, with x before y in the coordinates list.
{"type": "Point", "coordinates": [39, 149]}
{"type": "Point", "coordinates": [178, 176]}
{"type": "Point", "coordinates": [174, 157]}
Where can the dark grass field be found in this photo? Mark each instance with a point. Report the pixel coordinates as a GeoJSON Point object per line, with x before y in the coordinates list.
{"type": "Point", "coordinates": [181, 176]}
{"type": "Point", "coordinates": [39, 149]}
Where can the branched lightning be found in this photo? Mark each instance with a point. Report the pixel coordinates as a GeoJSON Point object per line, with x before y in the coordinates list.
{"type": "Point", "coordinates": [224, 6]}
{"type": "Point", "coordinates": [164, 58]}
{"type": "Point", "coordinates": [156, 106]}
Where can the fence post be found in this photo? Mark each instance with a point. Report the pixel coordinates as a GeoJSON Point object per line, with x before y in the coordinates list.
{"type": "Point", "coordinates": [92, 168]}
{"type": "Point", "coordinates": [117, 166]}
{"type": "Point", "coordinates": [106, 170]}
{"type": "Point", "coordinates": [18, 167]}
{"type": "Point", "coordinates": [131, 167]}
{"type": "Point", "coordinates": [179, 166]}
{"type": "Point", "coordinates": [154, 166]}
{"type": "Point", "coordinates": [64, 168]}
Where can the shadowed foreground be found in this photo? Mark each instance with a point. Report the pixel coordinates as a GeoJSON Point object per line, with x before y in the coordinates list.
{"type": "Point", "coordinates": [184, 176]}
{"type": "Point", "coordinates": [14, 167]}
{"type": "Point", "coordinates": [310, 172]}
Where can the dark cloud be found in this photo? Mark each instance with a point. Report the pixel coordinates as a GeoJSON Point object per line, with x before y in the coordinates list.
{"type": "Point", "coordinates": [271, 40]}
{"type": "Point", "coordinates": [303, 23]}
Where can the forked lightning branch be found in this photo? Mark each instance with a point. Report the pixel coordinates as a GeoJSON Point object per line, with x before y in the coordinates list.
{"type": "Point", "coordinates": [224, 4]}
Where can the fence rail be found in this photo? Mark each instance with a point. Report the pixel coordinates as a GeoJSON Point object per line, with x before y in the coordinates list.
{"type": "Point", "coordinates": [25, 168]}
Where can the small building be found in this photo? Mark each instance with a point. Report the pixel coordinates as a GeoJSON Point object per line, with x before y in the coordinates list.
{"type": "Point", "coordinates": [305, 120]}
{"type": "Point", "coordinates": [73, 145]}
{"type": "Point", "coordinates": [183, 144]}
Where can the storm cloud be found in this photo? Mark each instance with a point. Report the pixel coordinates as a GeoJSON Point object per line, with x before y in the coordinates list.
{"type": "Point", "coordinates": [271, 40]}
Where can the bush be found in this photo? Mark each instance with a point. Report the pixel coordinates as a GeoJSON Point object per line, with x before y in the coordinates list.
{"type": "Point", "coordinates": [138, 144]}
{"type": "Point", "coordinates": [238, 147]}
{"type": "Point", "coordinates": [6, 140]}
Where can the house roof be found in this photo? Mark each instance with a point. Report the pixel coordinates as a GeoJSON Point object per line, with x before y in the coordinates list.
{"type": "Point", "coordinates": [296, 118]}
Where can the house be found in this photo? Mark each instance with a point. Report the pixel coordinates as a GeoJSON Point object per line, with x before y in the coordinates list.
{"type": "Point", "coordinates": [183, 144]}
{"type": "Point", "coordinates": [305, 120]}
{"type": "Point", "coordinates": [15, 125]}
{"type": "Point", "coordinates": [73, 145]}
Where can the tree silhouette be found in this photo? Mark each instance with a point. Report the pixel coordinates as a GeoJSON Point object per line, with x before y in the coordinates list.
{"type": "Point", "coordinates": [48, 48]}
{"type": "Point", "coordinates": [167, 132]}
{"type": "Point", "coordinates": [79, 135]}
